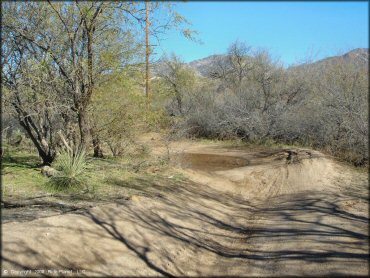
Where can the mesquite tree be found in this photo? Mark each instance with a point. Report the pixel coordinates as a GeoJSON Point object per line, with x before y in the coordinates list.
{"type": "Point", "coordinates": [32, 87]}
{"type": "Point", "coordinates": [76, 42]}
{"type": "Point", "coordinates": [73, 46]}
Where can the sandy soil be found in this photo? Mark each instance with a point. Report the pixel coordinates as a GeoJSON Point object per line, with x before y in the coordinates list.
{"type": "Point", "coordinates": [263, 213]}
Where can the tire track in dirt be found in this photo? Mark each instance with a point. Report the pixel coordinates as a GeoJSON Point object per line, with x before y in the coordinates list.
{"type": "Point", "coordinates": [254, 213]}
{"type": "Point", "coordinates": [312, 185]}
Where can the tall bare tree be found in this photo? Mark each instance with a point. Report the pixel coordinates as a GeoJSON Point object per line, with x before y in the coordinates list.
{"type": "Point", "coordinates": [235, 67]}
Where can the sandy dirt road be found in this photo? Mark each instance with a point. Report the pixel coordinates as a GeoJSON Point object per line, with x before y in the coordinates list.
{"type": "Point", "coordinates": [265, 213]}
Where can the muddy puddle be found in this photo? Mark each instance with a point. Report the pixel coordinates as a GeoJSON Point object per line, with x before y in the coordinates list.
{"type": "Point", "coordinates": [210, 162]}
{"type": "Point", "coordinates": [221, 161]}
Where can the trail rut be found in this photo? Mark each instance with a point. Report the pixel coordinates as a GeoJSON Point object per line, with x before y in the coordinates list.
{"type": "Point", "coordinates": [265, 213]}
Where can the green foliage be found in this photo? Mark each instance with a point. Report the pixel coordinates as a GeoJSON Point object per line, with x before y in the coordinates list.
{"type": "Point", "coordinates": [117, 110]}
{"type": "Point", "coordinates": [180, 82]}
{"type": "Point", "coordinates": [157, 119]}
{"type": "Point", "coordinates": [71, 167]}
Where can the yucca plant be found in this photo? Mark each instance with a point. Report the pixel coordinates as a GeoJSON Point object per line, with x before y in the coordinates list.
{"type": "Point", "coordinates": [70, 166]}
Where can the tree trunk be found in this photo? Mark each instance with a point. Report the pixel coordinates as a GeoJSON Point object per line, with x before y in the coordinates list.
{"type": "Point", "coordinates": [46, 151]}
{"type": "Point", "coordinates": [47, 159]}
{"type": "Point", "coordinates": [83, 123]}
{"type": "Point", "coordinates": [179, 102]}
{"type": "Point", "coordinates": [47, 156]}
{"type": "Point", "coordinates": [98, 151]}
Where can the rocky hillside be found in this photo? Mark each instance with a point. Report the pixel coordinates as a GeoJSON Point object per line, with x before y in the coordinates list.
{"type": "Point", "coordinates": [203, 66]}
{"type": "Point", "coordinates": [358, 56]}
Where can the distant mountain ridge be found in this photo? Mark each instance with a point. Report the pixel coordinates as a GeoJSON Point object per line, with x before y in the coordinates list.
{"type": "Point", "coordinates": [202, 66]}
{"type": "Point", "coordinates": [358, 56]}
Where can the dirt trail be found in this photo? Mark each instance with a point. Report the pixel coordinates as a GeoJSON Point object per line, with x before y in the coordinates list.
{"type": "Point", "coordinates": [265, 213]}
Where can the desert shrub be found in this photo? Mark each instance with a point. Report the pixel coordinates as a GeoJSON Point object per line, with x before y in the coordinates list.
{"type": "Point", "coordinates": [321, 105]}
{"type": "Point", "coordinates": [71, 166]}
{"type": "Point", "coordinates": [117, 112]}
{"type": "Point", "coordinates": [157, 119]}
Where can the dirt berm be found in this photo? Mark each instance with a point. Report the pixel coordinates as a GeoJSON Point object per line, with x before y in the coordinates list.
{"type": "Point", "coordinates": [266, 213]}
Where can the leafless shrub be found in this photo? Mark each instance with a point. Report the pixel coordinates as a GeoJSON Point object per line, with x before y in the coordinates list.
{"type": "Point", "coordinates": [323, 105]}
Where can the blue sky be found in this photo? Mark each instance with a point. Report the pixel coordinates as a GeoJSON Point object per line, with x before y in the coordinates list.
{"type": "Point", "coordinates": [292, 31]}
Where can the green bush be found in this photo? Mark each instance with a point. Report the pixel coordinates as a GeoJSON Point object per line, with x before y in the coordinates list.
{"type": "Point", "coordinates": [71, 167]}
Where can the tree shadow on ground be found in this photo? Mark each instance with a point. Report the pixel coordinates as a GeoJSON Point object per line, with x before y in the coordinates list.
{"type": "Point", "coordinates": [196, 230]}
{"type": "Point", "coordinates": [24, 161]}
